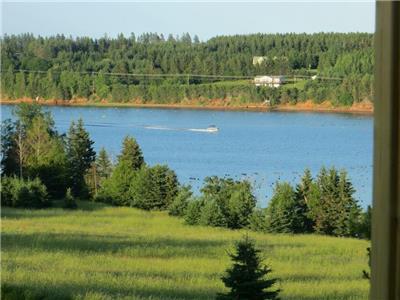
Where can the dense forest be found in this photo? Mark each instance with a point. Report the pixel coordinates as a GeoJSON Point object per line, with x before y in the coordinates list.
{"type": "Point", "coordinates": [158, 69]}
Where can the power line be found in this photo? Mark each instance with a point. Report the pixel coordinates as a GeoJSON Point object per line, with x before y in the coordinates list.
{"type": "Point", "coordinates": [177, 75]}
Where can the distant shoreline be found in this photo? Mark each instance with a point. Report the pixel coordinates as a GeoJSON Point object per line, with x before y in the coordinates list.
{"type": "Point", "coordinates": [364, 108]}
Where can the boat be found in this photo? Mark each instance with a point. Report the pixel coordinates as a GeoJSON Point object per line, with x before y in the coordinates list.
{"type": "Point", "coordinates": [212, 128]}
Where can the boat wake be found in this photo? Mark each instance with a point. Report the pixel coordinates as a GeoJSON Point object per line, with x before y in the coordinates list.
{"type": "Point", "coordinates": [206, 130]}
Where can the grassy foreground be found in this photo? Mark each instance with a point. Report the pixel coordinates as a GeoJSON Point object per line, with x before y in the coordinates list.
{"type": "Point", "coordinates": [101, 252]}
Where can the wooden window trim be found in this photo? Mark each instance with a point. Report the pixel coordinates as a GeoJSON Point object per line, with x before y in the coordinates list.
{"type": "Point", "coordinates": [385, 253]}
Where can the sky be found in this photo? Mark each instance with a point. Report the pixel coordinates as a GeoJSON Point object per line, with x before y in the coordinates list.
{"type": "Point", "coordinates": [206, 19]}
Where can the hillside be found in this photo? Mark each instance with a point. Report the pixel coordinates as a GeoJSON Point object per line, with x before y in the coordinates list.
{"type": "Point", "coordinates": [101, 252]}
{"type": "Point", "coordinates": [153, 69]}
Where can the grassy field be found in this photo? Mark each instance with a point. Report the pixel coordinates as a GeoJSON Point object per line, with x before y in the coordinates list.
{"type": "Point", "coordinates": [101, 252]}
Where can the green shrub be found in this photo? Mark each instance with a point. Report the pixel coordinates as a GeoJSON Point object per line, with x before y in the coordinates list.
{"type": "Point", "coordinates": [69, 200]}
{"type": "Point", "coordinates": [181, 202]}
{"type": "Point", "coordinates": [257, 220]}
{"type": "Point", "coordinates": [212, 215]}
{"type": "Point", "coordinates": [193, 211]}
{"type": "Point", "coordinates": [26, 193]}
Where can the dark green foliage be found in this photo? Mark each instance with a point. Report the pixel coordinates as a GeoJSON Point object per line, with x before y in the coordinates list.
{"type": "Point", "coordinates": [367, 274]}
{"type": "Point", "coordinates": [303, 195]}
{"type": "Point", "coordinates": [212, 215]}
{"type": "Point", "coordinates": [31, 148]}
{"type": "Point", "coordinates": [116, 188]}
{"type": "Point", "coordinates": [69, 200]}
{"type": "Point", "coordinates": [80, 155]}
{"type": "Point", "coordinates": [282, 210]}
{"type": "Point", "coordinates": [365, 223]}
{"type": "Point", "coordinates": [143, 191]}
{"type": "Point", "coordinates": [66, 64]}
{"type": "Point", "coordinates": [333, 209]}
{"type": "Point", "coordinates": [27, 193]}
{"type": "Point", "coordinates": [154, 188]}
{"type": "Point", "coordinates": [179, 205]}
{"type": "Point", "coordinates": [241, 205]}
{"type": "Point", "coordinates": [234, 199]}
{"type": "Point", "coordinates": [247, 278]}
{"type": "Point", "coordinates": [324, 206]}
{"type": "Point", "coordinates": [9, 159]}
{"type": "Point", "coordinates": [103, 165]}
{"type": "Point", "coordinates": [258, 220]}
{"type": "Point", "coordinates": [193, 211]}
{"type": "Point", "coordinates": [131, 153]}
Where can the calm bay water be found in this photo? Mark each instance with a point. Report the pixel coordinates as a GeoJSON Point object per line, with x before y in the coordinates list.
{"type": "Point", "coordinates": [261, 146]}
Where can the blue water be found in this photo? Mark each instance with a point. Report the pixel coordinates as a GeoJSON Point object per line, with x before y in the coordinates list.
{"type": "Point", "coordinates": [261, 146]}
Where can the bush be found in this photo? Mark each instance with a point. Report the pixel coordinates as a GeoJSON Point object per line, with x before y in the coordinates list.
{"type": "Point", "coordinates": [212, 215]}
{"type": "Point", "coordinates": [193, 211]}
{"type": "Point", "coordinates": [234, 199]}
{"type": "Point", "coordinates": [153, 188]}
{"type": "Point", "coordinates": [181, 202]}
{"type": "Point", "coordinates": [26, 193]}
{"type": "Point", "coordinates": [69, 200]}
{"type": "Point", "coordinates": [257, 221]}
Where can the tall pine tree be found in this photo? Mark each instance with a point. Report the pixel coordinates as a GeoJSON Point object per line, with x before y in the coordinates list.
{"type": "Point", "coordinates": [302, 197]}
{"type": "Point", "coordinates": [80, 157]}
{"type": "Point", "coordinates": [131, 153]}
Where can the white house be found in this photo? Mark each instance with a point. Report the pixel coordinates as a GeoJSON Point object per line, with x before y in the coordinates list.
{"type": "Point", "coordinates": [271, 81]}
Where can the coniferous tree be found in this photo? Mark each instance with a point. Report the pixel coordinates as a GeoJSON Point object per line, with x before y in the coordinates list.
{"type": "Point", "coordinates": [80, 157]}
{"type": "Point", "coordinates": [241, 205]}
{"type": "Point", "coordinates": [9, 160]}
{"type": "Point", "coordinates": [303, 222]}
{"type": "Point", "coordinates": [365, 223]}
{"type": "Point", "coordinates": [116, 188]}
{"type": "Point", "coordinates": [103, 164]}
{"type": "Point", "coordinates": [247, 278]}
{"type": "Point", "coordinates": [193, 211]}
{"type": "Point", "coordinates": [281, 210]}
{"type": "Point", "coordinates": [212, 215]}
{"type": "Point", "coordinates": [349, 212]}
{"type": "Point", "coordinates": [131, 153]}
{"type": "Point", "coordinates": [179, 205]}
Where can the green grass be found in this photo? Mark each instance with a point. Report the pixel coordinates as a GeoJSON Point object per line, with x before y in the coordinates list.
{"type": "Point", "coordinates": [299, 84]}
{"type": "Point", "coordinates": [101, 252]}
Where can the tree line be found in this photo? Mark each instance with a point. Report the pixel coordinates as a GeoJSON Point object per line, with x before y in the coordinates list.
{"type": "Point", "coordinates": [60, 67]}
{"type": "Point", "coordinates": [39, 165]}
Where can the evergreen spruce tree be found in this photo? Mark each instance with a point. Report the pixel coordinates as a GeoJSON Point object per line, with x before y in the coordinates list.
{"type": "Point", "coordinates": [326, 210]}
{"type": "Point", "coordinates": [80, 157]}
{"type": "Point", "coordinates": [365, 223]}
{"type": "Point", "coordinates": [131, 153]}
{"type": "Point", "coordinates": [193, 211]}
{"type": "Point", "coordinates": [103, 164]}
{"type": "Point", "coordinates": [240, 205]}
{"type": "Point", "coordinates": [349, 213]}
{"type": "Point", "coordinates": [116, 188]}
{"type": "Point", "coordinates": [179, 205]}
{"type": "Point", "coordinates": [247, 278]}
{"type": "Point", "coordinates": [211, 214]}
{"type": "Point", "coordinates": [281, 210]}
{"type": "Point", "coordinates": [303, 222]}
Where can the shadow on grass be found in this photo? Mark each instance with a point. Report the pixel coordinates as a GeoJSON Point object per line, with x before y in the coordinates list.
{"type": "Point", "coordinates": [160, 247]}
{"type": "Point", "coordinates": [55, 210]}
{"type": "Point", "coordinates": [74, 291]}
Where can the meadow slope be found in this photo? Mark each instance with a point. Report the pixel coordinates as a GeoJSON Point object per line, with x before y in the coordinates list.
{"type": "Point", "coordinates": [101, 252]}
